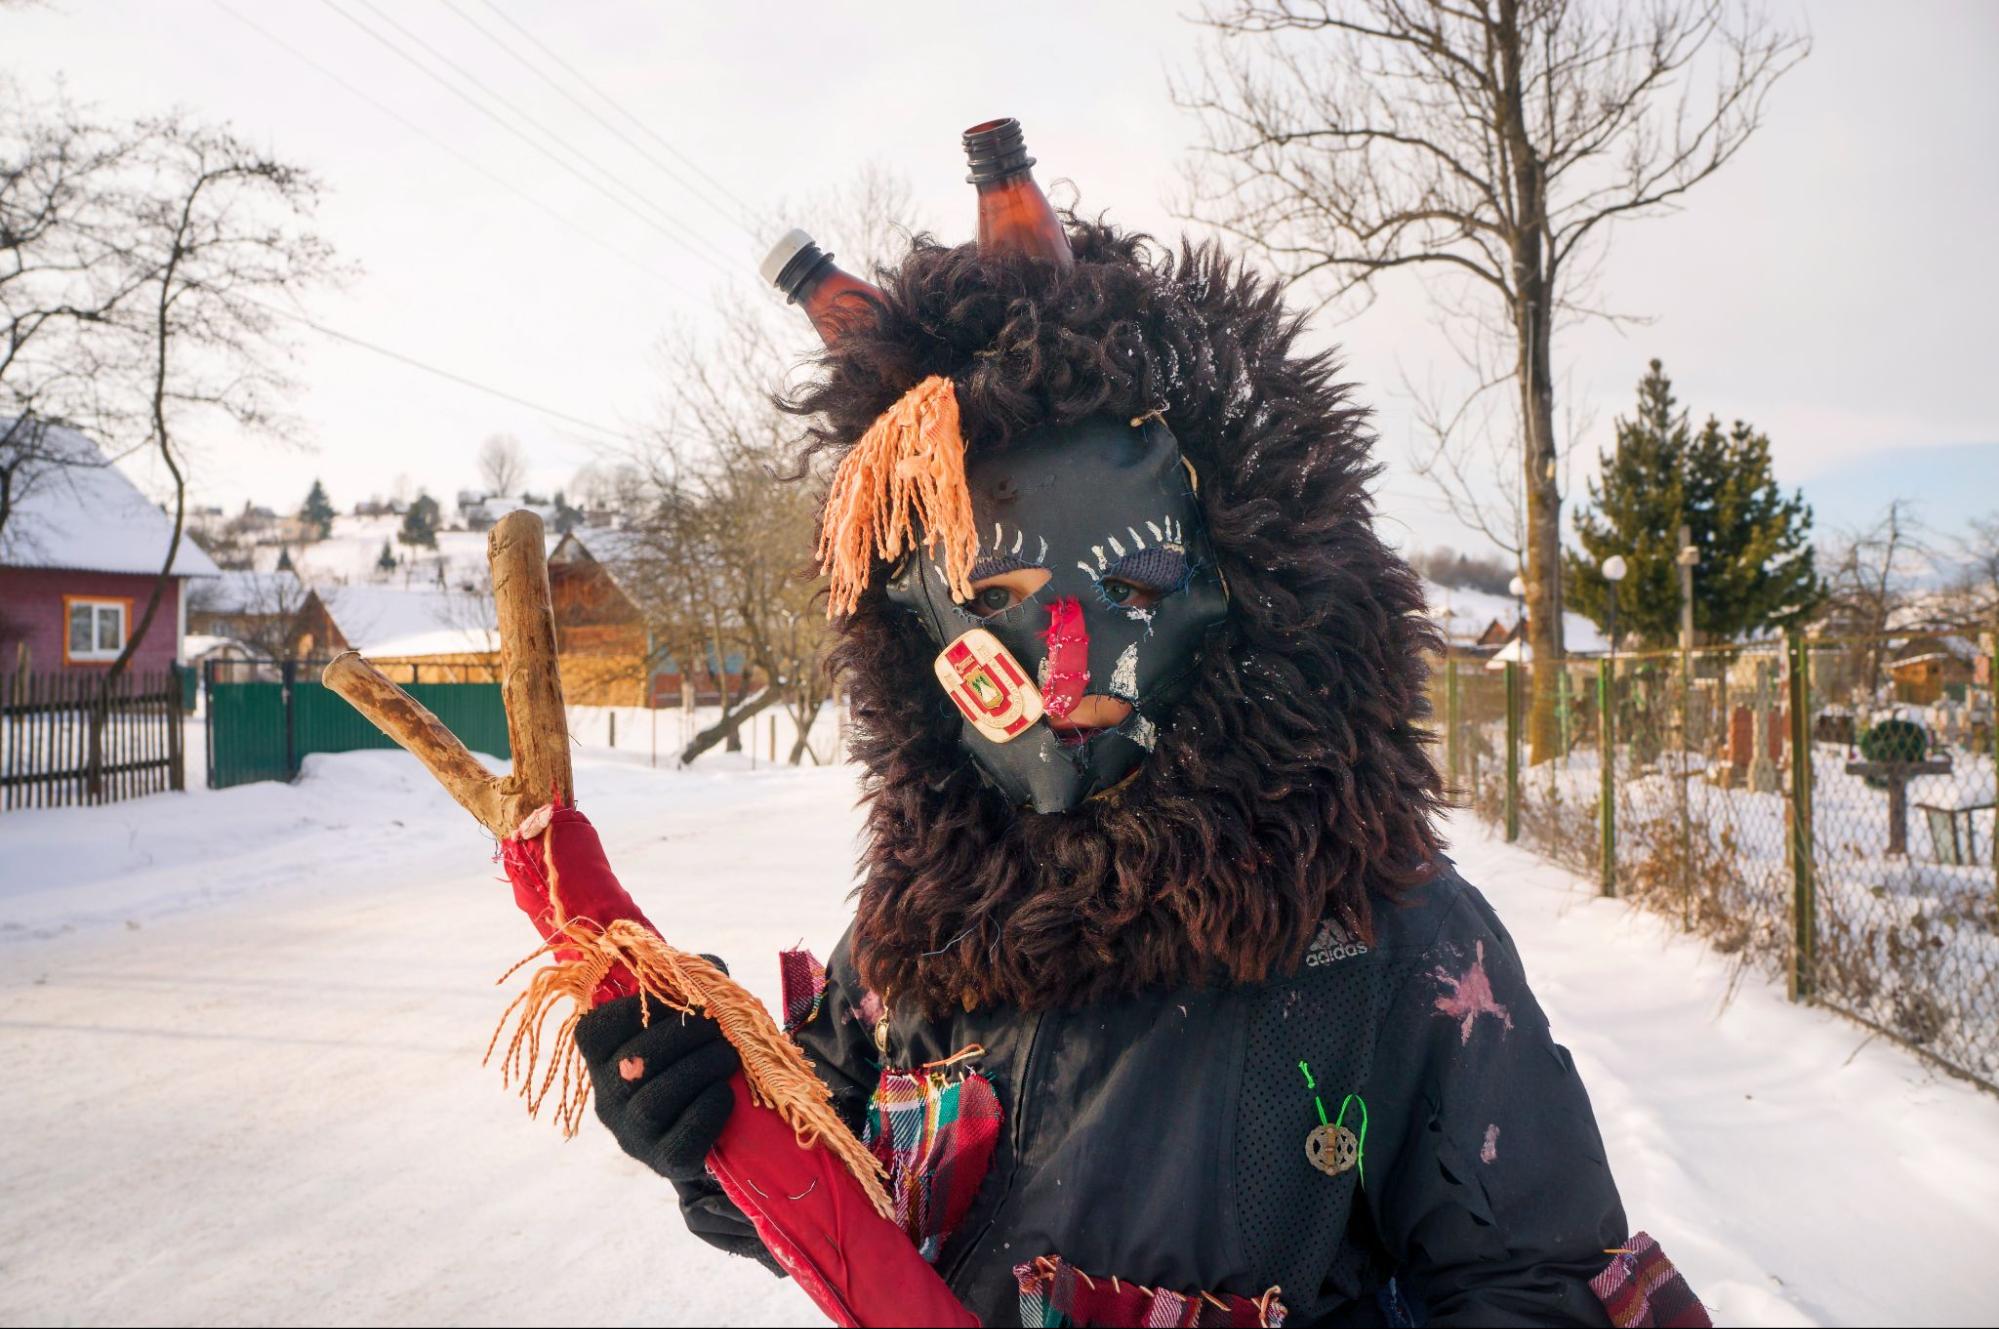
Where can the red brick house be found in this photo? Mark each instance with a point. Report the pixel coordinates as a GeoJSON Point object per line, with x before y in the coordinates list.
{"type": "Point", "coordinates": [78, 557]}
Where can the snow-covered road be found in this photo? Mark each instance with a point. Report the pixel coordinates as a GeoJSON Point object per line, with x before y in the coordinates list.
{"type": "Point", "coordinates": [240, 1038]}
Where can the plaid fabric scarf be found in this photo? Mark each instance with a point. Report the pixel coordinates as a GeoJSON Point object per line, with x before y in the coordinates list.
{"type": "Point", "coordinates": [1054, 1295]}
{"type": "Point", "coordinates": [1642, 1290]}
{"type": "Point", "coordinates": [936, 1136]}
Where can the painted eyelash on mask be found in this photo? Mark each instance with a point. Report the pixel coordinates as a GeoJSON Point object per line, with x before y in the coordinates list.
{"type": "Point", "coordinates": [1167, 534]}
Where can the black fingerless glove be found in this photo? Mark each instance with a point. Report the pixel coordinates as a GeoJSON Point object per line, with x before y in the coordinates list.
{"type": "Point", "coordinates": [662, 1087]}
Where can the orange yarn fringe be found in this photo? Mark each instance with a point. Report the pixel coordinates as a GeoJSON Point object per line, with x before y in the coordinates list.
{"type": "Point", "coordinates": [909, 468]}
{"type": "Point", "coordinates": [779, 1076]}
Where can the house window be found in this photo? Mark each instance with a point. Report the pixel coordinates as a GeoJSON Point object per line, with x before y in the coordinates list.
{"type": "Point", "coordinates": [96, 629]}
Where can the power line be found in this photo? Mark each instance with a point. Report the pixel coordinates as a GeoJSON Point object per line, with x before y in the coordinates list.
{"type": "Point", "coordinates": [428, 368]}
{"type": "Point", "coordinates": [442, 146]}
{"type": "Point", "coordinates": [404, 358]}
{"type": "Point", "coordinates": [687, 235]}
{"type": "Point", "coordinates": [740, 220]}
{"type": "Point", "coordinates": [561, 143]}
{"type": "Point", "coordinates": [482, 109]}
{"type": "Point", "coordinates": [748, 212]}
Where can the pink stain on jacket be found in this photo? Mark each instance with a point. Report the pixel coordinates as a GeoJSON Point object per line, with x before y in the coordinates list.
{"type": "Point", "coordinates": [1469, 996]}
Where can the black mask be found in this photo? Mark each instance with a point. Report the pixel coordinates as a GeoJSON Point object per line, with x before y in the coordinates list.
{"type": "Point", "coordinates": [1103, 515]}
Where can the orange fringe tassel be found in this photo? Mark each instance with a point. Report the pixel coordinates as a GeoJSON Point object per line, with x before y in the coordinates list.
{"type": "Point", "coordinates": [779, 1075]}
{"type": "Point", "coordinates": [909, 468]}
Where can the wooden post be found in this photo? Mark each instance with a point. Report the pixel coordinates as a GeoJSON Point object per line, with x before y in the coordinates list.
{"type": "Point", "coordinates": [1804, 904]}
{"type": "Point", "coordinates": [1512, 751]}
{"type": "Point", "coordinates": [1451, 754]}
{"type": "Point", "coordinates": [1606, 743]}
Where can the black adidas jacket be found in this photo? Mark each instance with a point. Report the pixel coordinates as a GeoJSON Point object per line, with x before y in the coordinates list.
{"type": "Point", "coordinates": [1163, 1139]}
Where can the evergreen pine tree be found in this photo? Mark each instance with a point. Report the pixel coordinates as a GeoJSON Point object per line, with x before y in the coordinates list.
{"type": "Point", "coordinates": [1755, 569]}
{"type": "Point", "coordinates": [420, 522]}
{"type": "Point", "coordinates": [318, 511]}
{"type": "Point", "coordinates": [285, 560]}
{"type": "Point", "coordinates": [386, 562]}
{"type": "Point", "coordinates": [1635, 509]}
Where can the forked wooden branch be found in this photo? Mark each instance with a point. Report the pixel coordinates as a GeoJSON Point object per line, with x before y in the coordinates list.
{"type": "Point", "coordinates": [530, 687]}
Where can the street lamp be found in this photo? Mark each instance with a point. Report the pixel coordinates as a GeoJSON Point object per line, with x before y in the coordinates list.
{"type": "Point", "coordinates": [1613, 572]}
{"type": "Point", "coordinates": [1518, 589]}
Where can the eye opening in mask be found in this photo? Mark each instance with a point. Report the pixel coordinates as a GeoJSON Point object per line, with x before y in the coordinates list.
{"type": "Point", "coordinates": [1001, 588]}
{"type": "Point", "coordinates": [1137, 582]}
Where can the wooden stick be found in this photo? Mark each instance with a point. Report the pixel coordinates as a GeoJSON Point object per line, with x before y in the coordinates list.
{"type": "Point", "coordinates": [529, 681]}
{"type": "Point", "coordinates": [407, 721]}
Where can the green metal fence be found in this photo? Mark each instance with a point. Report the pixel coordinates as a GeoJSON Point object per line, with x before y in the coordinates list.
{"type": "Point", "coordinates": [1864, 872]}
{"type": "Point", "coordinates": [266, 717]}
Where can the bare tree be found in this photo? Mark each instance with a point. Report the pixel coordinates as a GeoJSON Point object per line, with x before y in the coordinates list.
{"type": "Point", "coordinates": [724, 523]}
{"type": "Point", "coordinates": [1872, 575]}
{"type": "Point", "coordinates": [1493, 143]}
{"type": "Point", "coordinates": [730, 532]}
{"type": "Point", "coordinates": [211, 229]}
{"type": "Point", "coordinates": [1973, 591]}
{"type": "Point", "coordinates": [503, 464]}
{"type": "Point", "coordinates": [262, 610]}
{"type": "Point", "coordinates": [61, 282]}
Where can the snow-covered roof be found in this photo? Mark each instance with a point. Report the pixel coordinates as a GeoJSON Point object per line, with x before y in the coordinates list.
{"type": "Point", "coordinates": [83, 513]}
{"type": "Point", "coordinates": [242, 592]}
{"type": "Point", "coordinates": [394, 621]}
{"type": "Point", "coordinates": [1465, 614]}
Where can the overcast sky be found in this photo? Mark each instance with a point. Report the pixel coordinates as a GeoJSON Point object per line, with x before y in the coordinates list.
{"type": "Point", "coordinates": [1835, 285]}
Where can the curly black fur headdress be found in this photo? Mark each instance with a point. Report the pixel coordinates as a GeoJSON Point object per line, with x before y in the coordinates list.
{"type": "Point", "coordinates": [1292, 783]}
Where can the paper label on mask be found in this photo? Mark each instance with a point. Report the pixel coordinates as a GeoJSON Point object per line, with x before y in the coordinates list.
{"type": "Point", "coordinates": [988, 685]}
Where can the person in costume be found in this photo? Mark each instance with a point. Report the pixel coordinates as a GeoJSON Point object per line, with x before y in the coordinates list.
{"type": "Point", "coordinates": [1162, 1002]}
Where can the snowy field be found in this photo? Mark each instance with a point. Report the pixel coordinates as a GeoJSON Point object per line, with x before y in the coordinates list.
{"type": "Point", "coordinates": [240, 1037]}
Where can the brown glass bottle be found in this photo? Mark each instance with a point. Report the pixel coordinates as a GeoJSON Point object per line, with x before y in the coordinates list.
{"type": "Point", "coordinates": [1014, 216]}
{"type": "Point", "coordinates": [808, 277]}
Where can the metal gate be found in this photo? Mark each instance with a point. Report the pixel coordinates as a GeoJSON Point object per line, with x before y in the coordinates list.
{"type": "Point", "coordinates": [265, 717]}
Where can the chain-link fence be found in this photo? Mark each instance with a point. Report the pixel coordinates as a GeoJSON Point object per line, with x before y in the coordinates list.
{"type": "Point", "coordinates": [1673, 780]}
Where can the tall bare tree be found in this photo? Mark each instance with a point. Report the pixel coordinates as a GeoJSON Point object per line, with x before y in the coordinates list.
{"type": "Point", "coordinates": [1973, 591]}
{"type": "Point", "coordinates": [723, 520]}
{"type": "Point", "coordinates": [211, 229]}
{"type": "Point", "coordinates": [61, 282]}
{"type": "Point", "coordinates": [1871, 575]}
{"type": "Point", "coordinates": [503, 464]}
{"type": "Point", "coordinates": [730, 528]}
{"type": "Point", "coordinates": [1491, 142]}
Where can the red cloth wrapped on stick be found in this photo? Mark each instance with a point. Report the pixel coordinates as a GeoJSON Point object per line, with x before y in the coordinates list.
{"type": "Point", "coordinates": [812, 1191]}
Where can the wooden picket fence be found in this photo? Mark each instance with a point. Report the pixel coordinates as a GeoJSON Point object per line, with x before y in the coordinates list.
{"type": "Point", "coordinates": [46, 730]}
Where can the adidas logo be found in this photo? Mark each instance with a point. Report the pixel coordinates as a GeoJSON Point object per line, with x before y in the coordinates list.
{"type": "Point", "coordinates": [1332, 944]}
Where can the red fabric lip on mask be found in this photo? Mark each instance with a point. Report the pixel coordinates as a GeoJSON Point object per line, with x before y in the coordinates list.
{"type": "Point", "coordinates": [1067, 675]}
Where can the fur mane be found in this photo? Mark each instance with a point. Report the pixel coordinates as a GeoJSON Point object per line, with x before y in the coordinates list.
{"type": "Point", "coordinates": [1291, 785]}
